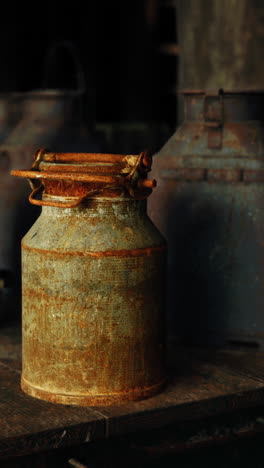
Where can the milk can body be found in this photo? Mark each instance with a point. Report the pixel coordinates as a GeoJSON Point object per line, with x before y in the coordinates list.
{"type": "Point", "coordinates": [93, 281]}
{"type": "Point", "coordinates": [210, 208]}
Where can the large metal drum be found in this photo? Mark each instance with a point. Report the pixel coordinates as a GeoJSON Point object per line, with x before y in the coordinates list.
{"type": "Point", "coordinates": [9, 115]}
{"type": "Point", "coordinates": [93, 282]}
{"type": "Point", "coordinates": [48, 117]}
{"type": "Point", "coordinates": [210, 208]}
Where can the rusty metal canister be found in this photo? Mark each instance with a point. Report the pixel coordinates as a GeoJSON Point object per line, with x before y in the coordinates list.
{"type": "Point", "coordinates": [93, 281]}
{"type": "Point", "coordinates": [4, 115]}
{"type": "Point", "coordinates": [210, 208]}
{"type": "Point", "coordinates": [9, 114]}
{"type": "Point", "coordinates": [47, 117]}
{"type": "Point", "coordinates": [10, 209]}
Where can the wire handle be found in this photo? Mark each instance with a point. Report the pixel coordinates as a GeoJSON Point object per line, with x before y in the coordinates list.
{"type": "Point", "coordinates": [51, 55]}
{"type": "Point", "coordinates": [56, 204]}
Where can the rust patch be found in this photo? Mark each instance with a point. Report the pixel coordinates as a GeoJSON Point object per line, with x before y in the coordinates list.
{"type": "Point", "coordinates": [145, 252]}
{"type": "Point", "coordinates": [78, 189]}
{"type": "Point", "coordinates": [103, 169]}
{"type": "Point", "coordinates": [84, 157]}
{"type": "Point", "coordinates": [214, 175]}
{"type": "Point", "coordinates": [254, 176]}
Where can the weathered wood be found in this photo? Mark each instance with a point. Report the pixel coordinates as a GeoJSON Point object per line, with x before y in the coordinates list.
{"type": "Point", "coordinates": [197, 389]}
{"type": "Point", "coordinates": [211, 431]}
{"type": "Point", "coordinates": [28, 425]}
{"type": "Point", "coordinates": [203, 384]}
{"type": "Point", "coordinates": [249, 364]}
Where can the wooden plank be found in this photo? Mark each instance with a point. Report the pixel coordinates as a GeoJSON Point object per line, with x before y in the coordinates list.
{"type": "Point", "coordinates": [212, 431]}
{"type": "Point", "coordinates": [10, 342]}
{"type": "Point", "coordinates": [28, 425]}
{"type": "Point", "coordinates": [245, 363]}
{"type": "Point", "coordinates": [14, 364]}
{"type": "Point", "coordinates": [203, 383]}
{"type": "Point", "coordinates": [196, 390]}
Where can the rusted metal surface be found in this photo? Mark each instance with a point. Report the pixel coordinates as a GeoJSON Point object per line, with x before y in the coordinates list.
{"type": "Point", "coordinates": [128, 173]}
{"type": "Point", "coordinates": [93, 289]}
{"type": "Point", "coordinates": [209, 206]}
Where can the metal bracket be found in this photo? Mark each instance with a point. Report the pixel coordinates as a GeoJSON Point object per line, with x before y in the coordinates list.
{"type": "Point", "coordinates": [214, 119]}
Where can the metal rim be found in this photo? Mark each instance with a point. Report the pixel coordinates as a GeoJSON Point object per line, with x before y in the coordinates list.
{"type": "Point", "coordinates": [93, 400]}
{"type": "Point", "coordinates": [48, 93]}
{"type": "Point", "coordinates": [216, 91]}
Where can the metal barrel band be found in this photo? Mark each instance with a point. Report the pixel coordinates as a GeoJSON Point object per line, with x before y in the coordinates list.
{"type": "Point", "coordinates": [214, 175]}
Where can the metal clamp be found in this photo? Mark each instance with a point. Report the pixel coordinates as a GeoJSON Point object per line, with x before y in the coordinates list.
{"type": "Point", "coordinates": [214, 118]}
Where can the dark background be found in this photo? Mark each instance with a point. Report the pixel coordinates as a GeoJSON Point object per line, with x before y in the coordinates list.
{"type": "Point", "coordinates": [135, 55]}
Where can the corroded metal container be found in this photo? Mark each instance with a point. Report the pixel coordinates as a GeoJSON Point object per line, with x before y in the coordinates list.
{"type": "Point", "coordinates": [9, 114]}
{"type": "Point", "coordinates": [210, 208]}
{"type": "Point", "coordinates": [48, 117]}
{"type": "Point", "coordinates": [93, 275]}
{"type": "Point", "coordinates": [11, 204]}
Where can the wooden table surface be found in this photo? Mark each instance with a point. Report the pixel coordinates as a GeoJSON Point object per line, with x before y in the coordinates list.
{"type": "Point", "coordinates": [202, 383]}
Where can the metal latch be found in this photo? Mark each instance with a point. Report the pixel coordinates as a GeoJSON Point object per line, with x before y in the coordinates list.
{"type": "Point", "coordinates": [214, 118]}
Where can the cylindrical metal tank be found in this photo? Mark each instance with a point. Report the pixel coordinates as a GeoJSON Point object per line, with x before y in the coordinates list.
{"type": "Point", "coordinates": [48, 117]}
{"type": "Point", "coordinates": [210, 208]}
{"type": "Point", "coordinates": [11, 221]}
{"type": "Point", "coordinates": [93, 276]}
{"type": "Point", "coordinates": [8, 115]}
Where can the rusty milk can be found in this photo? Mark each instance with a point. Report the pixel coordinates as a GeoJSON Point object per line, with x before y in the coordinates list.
{"type": "Point", "coordinates": [9, 301]}
{"type": "Point", "coordinates": [8, 114]}
{"type": "Point", "coordinates": [210, 208]}
{"type": "Point", "coordinates": [48, 117]}
{"type": "Point", "coordinates": [93, 279]}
